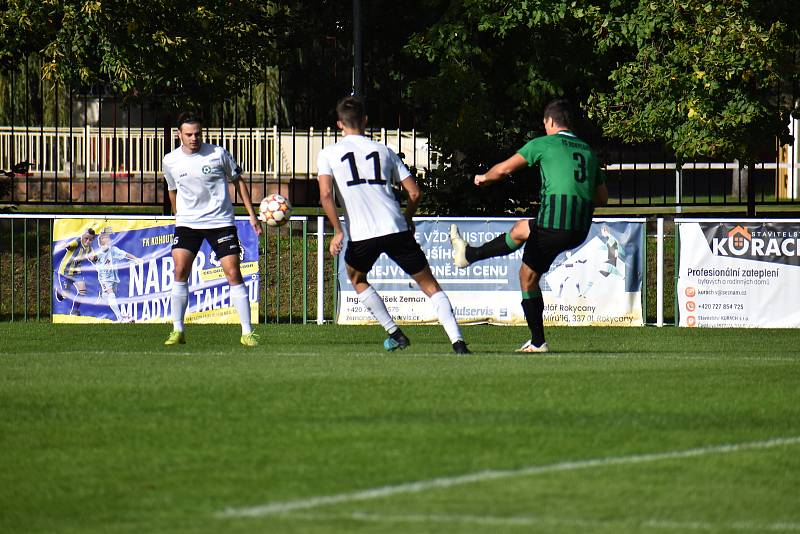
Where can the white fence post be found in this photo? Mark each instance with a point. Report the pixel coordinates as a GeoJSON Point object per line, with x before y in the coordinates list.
{"type": "Point", "coordinates": [86, 137]}
{"type": "Point", "coordinates": [793, 160]}
{"type": "Point", "coordinates": [660, 272]}
{"type": "Point", "coordinates": [320, 269]}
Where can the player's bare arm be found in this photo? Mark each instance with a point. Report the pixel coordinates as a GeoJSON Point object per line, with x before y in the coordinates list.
{"type": "Point", "coordinates": [414, 197]}
{"type": "Point", "coordinates": [173, 195]}
{"type": "Point", "coordinates": [501, 170]}
{"type": "Point", "coordinates": [244, 192]}
{"type": "Point", "coordinates": [329, 207]}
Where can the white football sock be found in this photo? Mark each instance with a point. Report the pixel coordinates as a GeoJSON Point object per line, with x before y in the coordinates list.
{"type": "Point", "coordinates": [445, 313]}
{"type": "Point", "coordinates": [370, 299]}
{"type": "Point", "coordinates": [112, 301]}
{"type": "Point", "coordinates": [179, 302]}
{"type": "Point", "coordinates": [241, 302]}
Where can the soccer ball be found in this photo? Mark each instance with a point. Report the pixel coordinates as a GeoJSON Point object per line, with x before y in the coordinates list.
{"type": "Point", "coordinates": [275, 210]}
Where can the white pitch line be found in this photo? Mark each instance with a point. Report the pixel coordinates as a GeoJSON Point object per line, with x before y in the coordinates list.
{"type": "Point", "coordinates": [483, 476]}
{"type": "Point", "coordinates": [525, 521]}
{"type": "Point", "coordinates": [702, 525]}
{"type": "Point", "coordinates": [530, 521]}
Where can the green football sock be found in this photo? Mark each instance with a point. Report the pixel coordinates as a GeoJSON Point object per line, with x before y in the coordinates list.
{"type": "Point", "coordinates": [499, 246]}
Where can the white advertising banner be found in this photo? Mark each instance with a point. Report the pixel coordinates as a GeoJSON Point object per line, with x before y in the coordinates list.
{"type": "Point", "coordinates": [597, 283]}
{"type": "Point", "coordinates": [739, 273]}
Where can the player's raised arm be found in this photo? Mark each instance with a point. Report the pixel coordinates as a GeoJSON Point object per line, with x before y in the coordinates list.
{"type": "Point", "coordinates": [329, 207]}
{"type": "Point", "coordinates": [501, 170]}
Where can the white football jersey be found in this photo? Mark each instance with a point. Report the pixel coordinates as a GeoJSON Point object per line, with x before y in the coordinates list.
{"type": "Point", "coordinates": [107, 264]}
{"type": "Point", "coordinates": [364, 172]}
{"type": "Point", "coordinates": [201, 181]}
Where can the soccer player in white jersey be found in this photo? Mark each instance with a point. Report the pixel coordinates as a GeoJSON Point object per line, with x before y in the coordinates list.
{"type": "Point", "coordinates": [107, 261]}
{"type": "Point", "coordinates": [197, 177]}
{"type": "Point", "coordinates": [362, 172]}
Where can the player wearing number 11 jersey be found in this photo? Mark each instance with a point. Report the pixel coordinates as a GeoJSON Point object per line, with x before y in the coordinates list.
{"type": "Point", "coordinates": [572, 185]}
{"type": "Point", "coordinates": [362, 173]}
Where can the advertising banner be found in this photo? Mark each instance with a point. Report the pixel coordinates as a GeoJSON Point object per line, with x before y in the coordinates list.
{"type": "Point", "coordinates": [739, 273]}
{"type": "Point", "coordinates": [597, 283]}
{"type": "Point", "coordinates": [121, 270]}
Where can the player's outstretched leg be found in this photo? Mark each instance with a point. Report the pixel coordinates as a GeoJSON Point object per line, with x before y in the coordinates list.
{"type": "Point", "coordinates": [459, 247]}
{"type": "Point", "coordinates": [465, 254]}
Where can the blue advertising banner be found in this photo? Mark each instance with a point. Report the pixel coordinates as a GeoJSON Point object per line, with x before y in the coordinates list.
{"type": "Point", "coordinates": [597, 283]}
{"type": "Point", "coordinates": [121, 270]}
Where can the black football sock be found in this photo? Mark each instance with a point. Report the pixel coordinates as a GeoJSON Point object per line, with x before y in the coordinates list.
{"type": "Point", "coordinates": [499, 246]}
{"type": "Point", "coordinates": [533, 306]}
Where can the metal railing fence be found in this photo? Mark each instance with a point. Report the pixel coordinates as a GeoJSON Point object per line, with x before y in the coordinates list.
{"type": "Point", "coordinates": [90, 165]}
{"type": "Point", "coordinates": [669, 184]}
{"type": "Point", "coordinates": [298, 282]}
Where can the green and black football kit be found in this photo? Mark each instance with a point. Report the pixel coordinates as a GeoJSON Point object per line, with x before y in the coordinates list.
{"type": "Point", "coordinates": [570, 175]}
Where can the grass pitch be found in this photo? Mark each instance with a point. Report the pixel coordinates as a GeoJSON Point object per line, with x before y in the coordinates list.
{"type": "Point", "coordinates": [102, 429]}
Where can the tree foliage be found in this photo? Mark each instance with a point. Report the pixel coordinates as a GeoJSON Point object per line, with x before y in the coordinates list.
{"type": "Point", "coordinates": [706, 78]}
{"type": "Point", "coordinates": [709, 78]}
{"type": "Point", "coordinates": [317, 57]}
{"type": "Point", "coordinates": [192, 53]}
{"type": "Point", "coordinates": [497, 64]}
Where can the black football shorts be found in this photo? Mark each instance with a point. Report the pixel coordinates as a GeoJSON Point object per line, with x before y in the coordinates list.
{"type": "Point", "coordinates": [545, 244]}
{"type": "Point", "coordinates": [224, 241]}
{"type": "Point", "coordinates": [401, 247]}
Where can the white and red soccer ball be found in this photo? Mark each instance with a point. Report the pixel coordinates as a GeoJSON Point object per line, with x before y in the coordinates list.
{"type": "Point", "coordinates": [275, 210]}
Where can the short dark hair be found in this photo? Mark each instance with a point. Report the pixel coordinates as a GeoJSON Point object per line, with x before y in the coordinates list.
{"type": "Point", "coordinates": [560, 110]}
{"type": "Point", "coordinates": [351, 111]}
{"type": "Point", "coordinates": [189, 117]}
{"type": "Point", "coordinates": [90, 231]}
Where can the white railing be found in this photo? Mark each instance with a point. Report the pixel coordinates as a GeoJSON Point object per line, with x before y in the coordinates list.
{"type": "Point", "coordinates": [262, 152]}
{"type": "Point", "coordinates": [58, 150]}
{"type": "Point", "coordinates": [132, 151]}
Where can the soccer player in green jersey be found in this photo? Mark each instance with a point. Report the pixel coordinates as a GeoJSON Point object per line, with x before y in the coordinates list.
{"type": "Point", "coordinates": [572, 185]}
